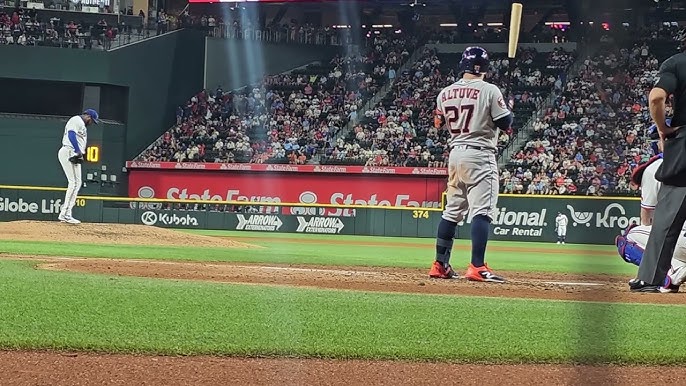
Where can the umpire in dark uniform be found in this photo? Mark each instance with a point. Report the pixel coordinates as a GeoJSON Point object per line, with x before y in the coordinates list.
{"type": "Point", "coordinates": [670, 212]}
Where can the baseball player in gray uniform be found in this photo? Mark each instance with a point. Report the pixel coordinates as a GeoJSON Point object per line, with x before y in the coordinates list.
{"type": "Point", "coordinates": [473, 111]}
{"type": "Point", "coordinates": [71, 156]}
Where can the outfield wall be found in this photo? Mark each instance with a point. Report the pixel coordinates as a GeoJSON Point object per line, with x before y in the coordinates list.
{"type": "Point", "coordinates": [519, 218]}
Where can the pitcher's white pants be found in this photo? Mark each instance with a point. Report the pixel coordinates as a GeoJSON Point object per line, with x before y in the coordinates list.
{"type": "Point", "coordinates": [73, 173]}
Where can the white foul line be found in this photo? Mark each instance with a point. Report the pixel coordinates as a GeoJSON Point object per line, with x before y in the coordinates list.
{"type": "Point", "coordinates": [334, 271]}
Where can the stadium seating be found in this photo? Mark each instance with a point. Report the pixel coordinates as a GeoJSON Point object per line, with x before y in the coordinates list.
{"type": "Point", "coordinates": [594, 136]}
{"type": "Point", "coordinates": [31, 27]}
{"type": "Point", "coordinates": [399, 131]}
{"type": "Point", "coordinates": [493, 34]}
{"type": "Point", "coordinates": [287, 118]}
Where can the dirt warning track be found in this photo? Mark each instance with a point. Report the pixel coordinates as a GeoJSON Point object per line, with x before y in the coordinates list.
{"type": "Point", "coordinates": [75, 369]}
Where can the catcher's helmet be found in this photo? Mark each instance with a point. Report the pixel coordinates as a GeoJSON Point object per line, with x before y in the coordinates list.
{"type": "Point", "coordinates": [474, 61]}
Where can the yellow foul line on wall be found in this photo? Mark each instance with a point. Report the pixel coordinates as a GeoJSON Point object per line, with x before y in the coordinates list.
{"type": "Point", "coordinates": [217, 202]}
{"type": "Point", "coordinates": [298, 204]}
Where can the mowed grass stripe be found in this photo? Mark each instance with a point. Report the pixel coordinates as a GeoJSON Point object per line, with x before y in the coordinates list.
{"type": "Point", "coordinates": [512, 246]}
{"type": "Point", "coordinates": [462, 245]}
{"type": "Point", "coordinates": [350, 254]}
{"type": "Point", "coordinates": [58, 310]}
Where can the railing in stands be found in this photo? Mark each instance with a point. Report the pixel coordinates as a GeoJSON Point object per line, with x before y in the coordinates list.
{"type": "Point", "coordinates": [281, 35]}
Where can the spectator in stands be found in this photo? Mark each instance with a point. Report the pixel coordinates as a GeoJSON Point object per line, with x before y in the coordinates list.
{"type": "Point", "coordinates": [141, 15]}
{"type": "Point", "coordinates": [21, 39]}
{"type": "Point", "coordinates": [162, 22]}
{"type": "Point", "coordinates": [110, 34]}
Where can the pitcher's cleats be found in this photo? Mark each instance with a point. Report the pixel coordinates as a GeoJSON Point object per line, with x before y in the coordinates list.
{"type": "Point", "coordinates": [69, 220]}
{"type": "Point", "coordinates": [439, 271]}
{"type": "Point", "coordinates": [483, 273]}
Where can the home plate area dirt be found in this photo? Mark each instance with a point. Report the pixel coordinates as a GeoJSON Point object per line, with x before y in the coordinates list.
{"type": "Point", "coordinates": [69, 368]}
{"type": "Point", "coordinates": [521, 284]}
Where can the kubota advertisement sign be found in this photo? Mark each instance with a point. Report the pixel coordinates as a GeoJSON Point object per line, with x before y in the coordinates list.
{"type": "Point", "coordinates": [266, 188]}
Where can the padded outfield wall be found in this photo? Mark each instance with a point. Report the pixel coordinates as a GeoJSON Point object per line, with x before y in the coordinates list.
{"type": "Point", "coordinates": [519, 218]}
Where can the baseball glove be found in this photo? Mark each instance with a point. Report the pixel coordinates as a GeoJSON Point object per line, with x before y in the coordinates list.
{"type": "Point", "coordinates": [439, 119]}
{"type": "Point", "coordinates": [76, 159]}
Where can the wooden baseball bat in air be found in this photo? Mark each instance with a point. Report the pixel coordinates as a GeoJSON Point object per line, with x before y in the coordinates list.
{"type": "Point", "coordinates": [515, 22]}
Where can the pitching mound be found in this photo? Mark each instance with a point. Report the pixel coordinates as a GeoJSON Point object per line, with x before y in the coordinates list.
{"type": "Point", "coordinates": [110, 234]}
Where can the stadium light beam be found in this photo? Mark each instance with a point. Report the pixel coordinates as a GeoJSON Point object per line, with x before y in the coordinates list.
{"type": "Point", "coordinates": [350, 15]}
{"type": "Point", "coordinates": [234, 57]}
{"type": "Point", "coordinates": [254, 53]}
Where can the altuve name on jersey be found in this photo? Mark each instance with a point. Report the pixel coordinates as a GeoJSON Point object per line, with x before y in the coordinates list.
{"type": "Point", "coordinates": [461, 92]}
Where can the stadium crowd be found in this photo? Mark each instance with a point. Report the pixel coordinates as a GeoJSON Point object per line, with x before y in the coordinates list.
{"type": "Point", "coordinates": [26, 27]}
{"type": "Point", "coordinates": [402, 131]}
{"type": "Point", "coordinates": [287, 118]}
{"type": "Point", "coordinates": [594, 136]}
{"type": "Point", "coordinates": [291, 117]}
{"type": "Point", "coordinates": [494, 34]}
{"type": "Point", "coordinates": [230, 24]}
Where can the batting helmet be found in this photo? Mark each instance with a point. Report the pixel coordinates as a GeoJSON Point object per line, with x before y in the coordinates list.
{"type": "Point", "coordinates": [474, 61]}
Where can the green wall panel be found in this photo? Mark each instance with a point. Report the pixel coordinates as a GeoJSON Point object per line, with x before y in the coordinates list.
{"type": "Point", "coordinates": [392, 223]}
{"type": "Point", "coordinates": [110, 215]}
{"type": "Point", "coordinates": [362, 222]}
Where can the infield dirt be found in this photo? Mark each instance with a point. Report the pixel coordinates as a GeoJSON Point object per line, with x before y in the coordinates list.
{"type": "Point", "coordinates": [405, 280]}
{"type": "Point", "coordinates": [110, 234]}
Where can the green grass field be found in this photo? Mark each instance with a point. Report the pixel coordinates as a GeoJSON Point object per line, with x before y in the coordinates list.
{"type": "Point", "coordinates": [63, 310]}
{"type": "Point", "coordinates": [352, 251]}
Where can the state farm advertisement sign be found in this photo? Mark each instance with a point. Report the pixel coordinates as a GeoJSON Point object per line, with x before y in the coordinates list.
{"type": "Point", "coordinates": [415, 191]}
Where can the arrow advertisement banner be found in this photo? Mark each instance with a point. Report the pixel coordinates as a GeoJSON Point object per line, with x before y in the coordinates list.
{"type": "Point", "coordinates": [331, 225]}
{"type": "Point", "coordinates": [258, 222]}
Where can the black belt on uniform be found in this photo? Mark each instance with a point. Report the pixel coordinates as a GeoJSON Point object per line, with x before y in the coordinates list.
{"type": "Point", "coordinates": [480, 148]}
